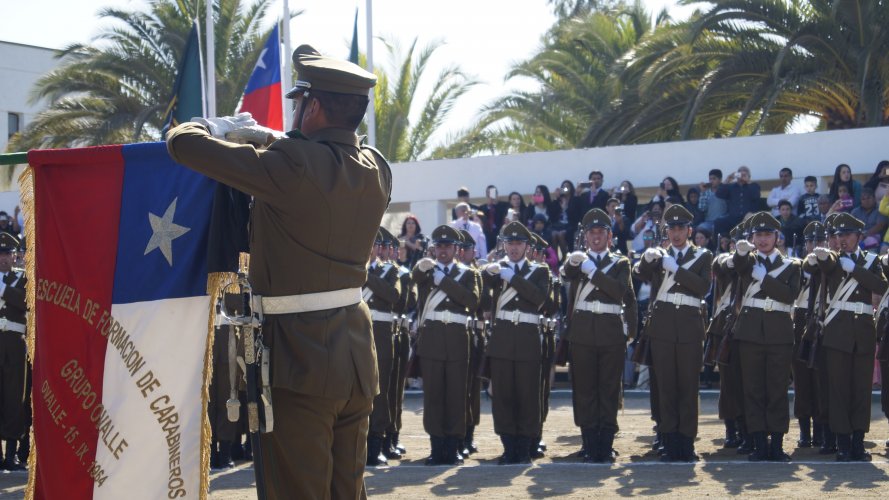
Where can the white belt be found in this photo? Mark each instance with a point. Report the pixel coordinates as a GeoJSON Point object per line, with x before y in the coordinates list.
{"type": "Point", "coordinates": [768, 305]}
{"type": "Point", "coordinates": [854, 307]}
{"type": "Point", "coordinates": [517, 317]}
{"type": "Point", "coordinates": [381, 316]}
{"type": "Point", "coordinates": [597, 307]}
{"type": "Point", "coordinates": [447, 317]}
{"type": "Point", "coordinates": [11, 326]}
{"type": "Point", "coordinates": [680, 299]}
{"type": "Point", "coordinates": [291, 304]}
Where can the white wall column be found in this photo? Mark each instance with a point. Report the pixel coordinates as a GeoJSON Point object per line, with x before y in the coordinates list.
{"type": "Point", "coordinates": [430, 213]}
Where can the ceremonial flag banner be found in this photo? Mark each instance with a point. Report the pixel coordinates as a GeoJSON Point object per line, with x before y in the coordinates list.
{"type": "Point", "coordinates": [119, 331]}
{"type": "Point", "coordinates": [188, 89]}
{"type": "Point", "coordinates": [262, 97]}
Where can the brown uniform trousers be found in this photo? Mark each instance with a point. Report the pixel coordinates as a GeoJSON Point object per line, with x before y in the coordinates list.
{"type": "Point", "coordinates": [731, 395]}
{"type": "Point", "coordinates": [406, 306]}
{"type": "Point", "coordinates": [805, 390]}
{"type": "Point", "coordinates": [444, 351]}
{"type": "Point", "coordinates": [476, 355]}
{"type": "Point", "coordinates": [849, 343]}
{"type": "Point", "coordinates": [13, 360]}
{"type": "Point", "coordinates": [677, 335]}
{"type": "Point", "coordinates": [766, 343]}
{"type": "Point", "coordinates": [515, 352]}
{"type": "Point", "coordinates": [383, 281]}
{"type": "Point", "coordinates": [551, 309]}
{"type": "Point", "coordinates": [598, 344]}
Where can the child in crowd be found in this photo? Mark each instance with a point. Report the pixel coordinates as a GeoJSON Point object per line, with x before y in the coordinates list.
{"type": "Point", "coordinates": [807, 206]}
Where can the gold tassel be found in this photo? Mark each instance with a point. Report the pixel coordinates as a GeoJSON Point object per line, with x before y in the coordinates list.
{"type": "Point", "coordinates": [26, 190]}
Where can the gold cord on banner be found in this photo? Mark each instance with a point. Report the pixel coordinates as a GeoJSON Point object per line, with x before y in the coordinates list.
{"type": "Point", "coordinates": [26, 190]}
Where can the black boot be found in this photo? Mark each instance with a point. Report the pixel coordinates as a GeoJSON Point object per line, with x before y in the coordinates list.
{"type": "Point", "coordinates": [214, 454]}
{"type": "Point", "coordinates": [24, 449]}
{"type": "Point", "coordinates": [10, 460]}
{"type": "Point", "coordinates": [389, 450]}
{"type": "Point", "coordinates": [844, 447]}
{"type": "Point", "coordinates": [534, 450]}
{"type": "Point", "coordinates": [590, 443]}
{"type": "Point", "coordinates": [541, 443]}
{"type": "Point", "coordinates": [397, 444]}
{"type": "Point", "coordinates": [508, 455]}
{"type": "Point", "coordinates": [828, 441]}
{"type": "Point", "coordinates": [237, 450]}
{"type": "Point", "coordinates": [817, 434]}
{"type": "Point", "coordinates": [452, 450]}
{"type": "Point", "coordinates": [731, 435]}
{"type": "Point", "coordinates": [522, 450]}
{"type": "Point", "coordinates": [374, 449]}
{"type": "Point", "coordinates": [606, 447]}
{"type": "Point", "coordinates": [672, 447]}
{"type": "Point", "coordinates": [436, 451]}
{"type": "Point", "coordinates": [776, 448]}
{"type": "Point", "coordinates": [746, 446]}
{"type": "Point", "coordinates": [658, 444]}
{"type": "Point", "coordinates": [805, 434]}
{"type": "Point", "coordinates": [858, 453]}
{"type": "Point", "coordinates": [687, 449]}
{"type": "Point", "coordinates": [225, 455]}
{"type": "Point", "coordinates": [469, 441]}
{"type": "Point", "coordinates": [760, 447]}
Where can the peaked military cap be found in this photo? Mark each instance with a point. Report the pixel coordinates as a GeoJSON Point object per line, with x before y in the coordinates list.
{"type": "Point", "coordinates": [737, 232]}
{"type": "Point", "coordinates": [317, 72]}
{"type": "Point", "coordinates": [596, 218]}
{"type": "Point", "coordinates": [814, 231]}
{"type": "Point", "coordinates": [677, 215]}
{"type": "Point", "coordinates": [515, 231]}
{"type": "Point", "coordinates": [828, 222]}
{"type": "Point", "coordinates": [446, 234]}
{"type": "Point", "coordinates": [378, 239]}
{"type": "Point", "coordinates": [764, 222]}
{"type": "Point", "coordinates": [539, 241]}
{"type": "Point", "coordinates": [388, 237]}
{"type": "Point", "coordinates": [847, 223]}
{"type": "Point", "coordinates": [8, 242]}
{"type": "Point", "coordinates": [468, 240]}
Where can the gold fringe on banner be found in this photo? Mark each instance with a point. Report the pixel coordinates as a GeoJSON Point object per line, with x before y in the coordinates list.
{"type": "Point", "coordinates": [26, 190]}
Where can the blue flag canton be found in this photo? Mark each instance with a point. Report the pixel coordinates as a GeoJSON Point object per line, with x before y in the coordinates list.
{"type": "Point", "coordinates": [164, 223]}
{"type": "Point", "coordinates": [268, 66]}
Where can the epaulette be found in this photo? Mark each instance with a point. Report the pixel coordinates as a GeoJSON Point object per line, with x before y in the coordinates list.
{"type": "Point", "coordinates": [297, 134]}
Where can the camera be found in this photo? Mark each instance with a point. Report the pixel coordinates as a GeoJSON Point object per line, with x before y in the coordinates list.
{"type": "Point", "coordinates": [620, 208]}
{"type": "Point", "coordinates": [585, 184]}
{"type": "Point", "coordinates": [846, 202]}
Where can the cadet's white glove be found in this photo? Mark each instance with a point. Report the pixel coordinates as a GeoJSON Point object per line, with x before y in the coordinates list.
{"type": "Point", "coordinates": [730, 263]}
{"type": "Point", "coordinates": [651, 254]}
{"type": "Point", "coordinates": [884, 259]}
{"type": "Point", "coordinates": [758, 272]}
{"type": "Point", "coordinates": [507, 273]}
{"type": "Point", "coordinates": [577, 258]}
{"type": "Point", "coordinates": [812, 259]}
{"type": "Point", "coordinates": [847, 264]}
{"type": "Point", "coordinates": [588, 267]}
{"type": "Point", "coordinates": [437, 276]}
{"type": "Point", "coordinates": [821, 252]}
{"type": "Point", "coordinates": [255, 134]}
{"type": "Point", "coordinates": [425, 264]}
{"type": "Point", "coordinates": [493, 269]}
{"type": "Point", "coordinates": [743, 247]}
{"type": "Point", "coordinates": [218, 127]}
{"type": "Point", "coordinates": [669, 263]}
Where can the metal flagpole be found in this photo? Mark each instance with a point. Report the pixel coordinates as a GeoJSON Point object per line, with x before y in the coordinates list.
{"type": "Point", "coordinates": [371, 117]}
{"type": "Point", "coordinates": [211, 62]}
{"type": "Point", "coordinates": [286, 73]}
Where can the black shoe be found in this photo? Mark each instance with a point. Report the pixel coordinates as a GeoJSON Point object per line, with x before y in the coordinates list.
{"type": "Point", "coordinates": [746, 446]}
{"type": "Point", "coordinates": [469, 446]}
{"type": "Point", "coordinates": [731, 435]}
{"type": "Point", "coordinates": [590, 443]}
{"type": "Point", "coordinates": [452, 450]}
{"type": "Point", "coordinates": [508, 455]}
{"type": "Point", "coordinates": [776, 448]}
{"type": "Point", "coordinates": [522, 450]}
{"type": "Point", "coordinates": [672, 447]}
{"type": "Point", "coordinates": [844, 447]}
{"type": "Point", "coordinates": [436, 453]}
{"type": "Point", "coordinates": [374, 451]}
{"type": "Point", "coordinates": [225, 455]}
{"type": "Point", "coordinates": [11, 461]}
{"type": "Point", "coordinates": [687, 449]}
{"type": "Point", "coordinates": [606, 447]}
{"type": "Point", "coordinates": [24, 449]}
{"type": "Point", "coordinates": [857, 451]}
{"type": "Point", "coordinates": [805, 433]}
{"type": "Point", "coordinates": [541, 443]}
{"type": "Point", "coordinates": [828, 441]}
{"type": "Point", "coordinates": [397, 444]}
{"type": "Point", "coordinates": [389, 451]}
{"type": "Point", "coordinates": [658, 444]}
{"type": "Point", "coordinates": [760, 447]}
{"type": "Point", "coordinates": [817, 434]}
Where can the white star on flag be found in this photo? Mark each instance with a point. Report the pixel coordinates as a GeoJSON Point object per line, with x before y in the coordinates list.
{"type": "Point", "coordinates": [261, 62]}
{"type": "Point", "coordinates": [164, 231]}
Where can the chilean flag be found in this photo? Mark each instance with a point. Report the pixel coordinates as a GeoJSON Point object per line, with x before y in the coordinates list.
{"type": "Point", "coordinates": [263, 97]}
{"type": "Point", "coordinates": [121, 316]}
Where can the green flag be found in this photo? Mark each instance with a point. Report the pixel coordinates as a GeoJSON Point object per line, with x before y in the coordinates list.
{"type": "Point", "coordinates": [353, 53]}
{"type": "Point", "coordinates": [188, 91]}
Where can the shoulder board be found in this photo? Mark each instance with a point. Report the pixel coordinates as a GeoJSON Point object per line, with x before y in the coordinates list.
{"type": "Point", "coordinates": [403, 270]}
{"type": "Point", "coordinates": [296, 134]}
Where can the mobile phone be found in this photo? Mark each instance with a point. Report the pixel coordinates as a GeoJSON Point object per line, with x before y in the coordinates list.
{"type": "Point", "coordinates": [846, 202]}
{"type": "Point", "coordinates": [492, 193]}
{"type": "Point", "coordinates": [585, 184]}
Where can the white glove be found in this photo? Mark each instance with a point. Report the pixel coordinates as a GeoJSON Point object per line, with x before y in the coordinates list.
{"type": "Point", "coordinates": [822, 253]}
{"type": "Point", "coordinates": [437, 276]}
{"type": "Point", "coordinates": [218, 127]}
{"type": "Point", "coordinates": [588, 267]}
{"type": "Point", "coordinates": [847, 264]}
{"type": "Point", "coordinates": [255, 134]}
{"type": "Point", "coordinates": [651, 254]}
{"type": "Point", "coordinates": [493, 269]}
{"type": "Point", "coordinates": [730, 263]}
{"type": "Point", "coordinates": [425, 264]}
{"type": "Point", "coordinates": [507, 273]}
{"type": "Point", "coordinates": [884, 260]}
{"type": "Point", "coordinates": [758, 272]}
{"type": "Point", "coordinates": [577, 258]}
{"type": "Point", "coordinates": [669, 263]}
{"type": "Point", "coordinates": [743, 247]}
{"type": "Point", "coordinates": [812, 259]}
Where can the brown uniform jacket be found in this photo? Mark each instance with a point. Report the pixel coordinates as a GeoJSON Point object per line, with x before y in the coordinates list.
{"type": "Point", "coordinates": [767, 327]}
{"type": "Point", "coordinates": [587, 328]}
{"type": "Point", "coordinates": [386, 287]}
{"type": "Point", "coordinates": [407, 301]}
{"type": "Point", "coordinates": [14, 308]}
{"type": "Point", "coordinates": [438, 341]}
{"type": "Point", "coordinates": [518, 342]}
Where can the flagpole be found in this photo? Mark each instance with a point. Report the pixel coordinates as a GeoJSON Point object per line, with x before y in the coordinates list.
{"type": "Point", "coordinates": [211, 62]}
{"type": "Point", "coordinates": [371, 116]}
{"type": "Point", "coordinates": [286, 74]}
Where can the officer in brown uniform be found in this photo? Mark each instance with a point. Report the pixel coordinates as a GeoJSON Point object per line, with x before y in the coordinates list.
{"type": "Point", "coordinates": [318, 198]}
{"type": "Point", "coordinates": [883, 340]}
{"type": "Point", "coordinates": [449, 293]}
{"type": "Point", "coordinates": [404, 310]}
{"type": "Point", "coordinates": [596, 332]}
{"type": "Point", "coordinates": [676, 330]}
{"type": "Point", "coordinates": [381, 292]}
{"type": "Point", "coordinates": [849, 340]}
{"type": "Point", "coordinates": [550, 311]}
{"type": "Point", "coordinates": [466, 254]}
{"type": "Point", "coordinates": [764, 331]}
{"type": "Point", "coordinates": [805, 394]}
{"type": "Point", "coordinates": [519, 289]}
{"type": "Point", "coordinates": [13, 363]}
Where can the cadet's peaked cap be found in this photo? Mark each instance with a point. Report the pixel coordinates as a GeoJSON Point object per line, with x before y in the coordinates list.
{"type": "Point", "coordinates": [828, 221]}
{"type": "Point", "coordinates": [378, 239]}
{"type": "Point", "coordinates": [539, 241]}
{"type": "Point", "coordinates": [317, 72]}
{"type": "Point", "coordinates": [8, 242]}
{"type": "Point", "coordinates": [737, 232]}
{"type": "Point", "coordinates": [813, 231]}
{"type": "Point", "coordinates": [515, 231]}
{"type": "Point", "coordinates": [677, 215]}
{"type": "Point", "coordinates": [764, 222]}
{"type": "Point", "coordinates": [388, 237]}
{"type": "Point", "coordinates": [446, 234]}
{"type": "Point", "coordinates": [468, 240]}
{"type": "Point", "coordinates": [847, 223]}
{"type": "Point", "coordinates": [596, 218]}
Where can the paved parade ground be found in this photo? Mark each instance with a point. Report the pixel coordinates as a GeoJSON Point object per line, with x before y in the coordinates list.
{"type": "Point", "coordinates": [637, 471]}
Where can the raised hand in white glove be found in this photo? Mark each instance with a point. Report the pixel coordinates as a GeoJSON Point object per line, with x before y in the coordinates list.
{"type": "Point", "coordinates": [588, 267]}
{"type": "Point", "coordinates": [758, 272]}
{"type": "Point", "coordinates": [669, 263]}
{"type": "Point", "coordinates": [218, 127]}
{"type": "Point", "coordinates": [493, 268]}
{"type": "Point", "coordinates": [254, 134]}
{"type": "Point", "coordinates": [507, 273]}
{"type": "Point", "coordinates": [884, 260]}
{"type": "Point", "coordinates": [437, 276]}
{"type": "Point", "coordinates": [577, 258]}
{"type": "Point", "coordinates": [730, 263]}
{"type": "Point", "coordinates": [821, 252]}
{"type": "Point", "coordinates": [847, 264]}
{"type": "Point", "coordinates": [651, 254]}
{"type": "Point", "coordinates": [425, 264]}
{"type": "Point", "coordinates": [743, 247]}
{"type": "Point", "coordinates": [812, 259]}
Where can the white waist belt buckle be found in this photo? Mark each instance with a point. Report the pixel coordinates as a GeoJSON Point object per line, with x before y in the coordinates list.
{"type": "Point", "coordinates": [768, 304]}
{"type": "Point", "coordinates": [515, 317]}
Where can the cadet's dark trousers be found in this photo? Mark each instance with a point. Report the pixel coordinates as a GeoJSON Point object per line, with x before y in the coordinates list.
{"type": "Point", "coordinates": [805, 391]}
{"type": "Point", "coordinates": [381, 417]}
{"type": "Point", "coordinates": [653, 401]}
{"type": "Point", "coordinates": [474, 386]}
{"type": "Point", "coordinates": [220, 390]}
{"type": "Point", "coordinates": [546, 368]}
{"type": "Point", "coordinates": [516, 398]}
{"type": "Point", "coordinates": [849, 378]}
{"type": "Point", "coordinates": [13, 367]}
{"type": "Point", "coordinates": [402, 351]}
{"type": "Point", "coordinates": [731, 393]}
{"type": "Point", "coordinates": [318, 448]}
{"type": "Point", "coordinates": [822, 386]}
{"type": "Point", "coordinates": [596, 373]}
{"type": "Point", "coordinates": [678, 368]}
{"type": "Point", "coordinates": [884, 393]}
{"type": "Point", "coordinates": [765, 370]}
{"type": "Point", "coordinates": [444, 397]}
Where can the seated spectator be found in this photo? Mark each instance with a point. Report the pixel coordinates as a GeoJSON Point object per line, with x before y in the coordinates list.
{"type": "Point", "coordinates": [620, 225]}
{"type": "Point", "coordinates": [842, 176]}
{"type": "Point", "coordinates": [807, 206]}
{"type": "Point", "coordinates": [879, 182]}
{"type": "Point", "coordinates": [626, 193]}
{"type": "Point", "coordinates": [741, 196]}
{"type": "Point", "coordinates": [874, 222]}
{"type": "Point", "coordinates": [791, 225]}
{"type": "Point", "coordinates": [787, 190]}
{"type": "Point", "coordinates": [590, 194]}
{"type": "Point", "coordinates": [516, 203]}
{"type": "Point", "coordinates": [495, 211]}
{"type": "Point", "coordinates": [541, 204]}
{"type": "Point", "coordinates": [668, 188]}
{"type": "Point", "coordinates": [538, 225]}
{"type": "Point", "coordinates": [781, 245]}
{"type": "Point", "coordinates": [844, 201]}
{"type": "Point", "coordinates": [703, 238]}
{"type": "Point", "coordinates": [725, 244]}
{"type": "Point", "coordinates": [414, 241]}
{"type": "Point", "coordinates": [692, 197]}
{"type": "Point", "coordinates": [565, 216]}
{"type": "Point", "coordinates": [464, 222]}
{"type": "Point", "coordinates": [463, 197]}
{"type": "Point", "coordinates": [649, 221]}
{"type": "Point", "coordinates": [712, 206]}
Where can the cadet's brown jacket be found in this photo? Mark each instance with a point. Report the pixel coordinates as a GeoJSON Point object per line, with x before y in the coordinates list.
{"type": "Point", "coordinates": [438, 341]}
{"type": "Point", "coordinates": [587, 328]}
{"type": "Point", "coordinates": [383, 281]}
{"type": "Point", "coordinates": [767, 327]}
{"type": "Point", "coordinates": [531, 284]}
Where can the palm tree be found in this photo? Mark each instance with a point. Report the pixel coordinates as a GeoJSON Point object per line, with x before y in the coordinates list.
{"type": "Point", "coordinates": [116, 89]}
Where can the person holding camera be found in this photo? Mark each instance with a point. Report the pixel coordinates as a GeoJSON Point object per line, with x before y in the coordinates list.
{"type": "Point", "coordinates": [494, 211]}
{"type": "Point", "coordinates": [649, 221]}
{"type": "Point", "coordinates": [620, 225]}
{"type": "Point", "coordinates": [741, 197]}
{"type": "Point", "coordinates": [590, 193]}
{"type": "Point", "coordinates": [564, 217]}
